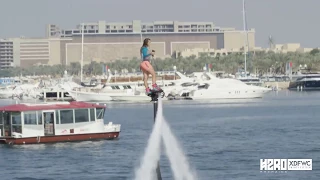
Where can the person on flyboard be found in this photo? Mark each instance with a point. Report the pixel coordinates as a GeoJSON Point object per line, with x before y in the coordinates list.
{"type": "Point", "coordinates": [147, 68]}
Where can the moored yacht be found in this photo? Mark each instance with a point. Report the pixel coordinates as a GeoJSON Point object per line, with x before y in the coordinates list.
{"type": "Point", "coordinates": [306, 82]}
{"type": "Point", "coordinates": [225, 88]}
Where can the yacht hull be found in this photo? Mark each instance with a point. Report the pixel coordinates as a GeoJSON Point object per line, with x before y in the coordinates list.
{"type": "Point", "coordinates": [231, 94]}
{"type": "Point", "coordinates": [130, 98]}
{"type": "Point", "coordinates": [89, 96]}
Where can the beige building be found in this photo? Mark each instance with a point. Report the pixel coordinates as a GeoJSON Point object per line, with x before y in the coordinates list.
{"type": "Point", "coordinates": [104, 41]}
{"type": "Point", "coordinates": [26, 52]}
{"type": "Point", "coordinates": [277, 48]}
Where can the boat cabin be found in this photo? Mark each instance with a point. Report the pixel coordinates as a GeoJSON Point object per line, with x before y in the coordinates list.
{"type": "Point", "coordinates": [50, 119]}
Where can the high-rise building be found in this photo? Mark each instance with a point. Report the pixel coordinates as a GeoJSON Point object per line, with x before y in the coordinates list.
{"type": "Point", "coordinates": [26, 52]}
{"type": "Point", "coordinates": [6, 53]}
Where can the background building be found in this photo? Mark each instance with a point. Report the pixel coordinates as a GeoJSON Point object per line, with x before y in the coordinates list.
{"type": "Point", "coordinates": [104, 42]}
{"type": "Point", "coordinates": [109, 41]}
{"type": "Point", "coordinates": [26, 52]}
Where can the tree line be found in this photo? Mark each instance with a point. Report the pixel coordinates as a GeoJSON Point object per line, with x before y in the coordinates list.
{"type": "Point", "coordinates": [260, 62]}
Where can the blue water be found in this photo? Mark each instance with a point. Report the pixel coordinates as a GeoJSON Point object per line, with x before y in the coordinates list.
{"type": "Point", "coordinates": [222, 140]}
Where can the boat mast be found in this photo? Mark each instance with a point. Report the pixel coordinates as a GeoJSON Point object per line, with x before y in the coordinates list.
{"type": "Point", "coordinates": [81, 71]}
{"type": "Point", "coordinates": [246, 37]}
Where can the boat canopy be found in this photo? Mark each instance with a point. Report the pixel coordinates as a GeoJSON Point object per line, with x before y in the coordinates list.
{"type": "Point", "coordinates": [49, 106]}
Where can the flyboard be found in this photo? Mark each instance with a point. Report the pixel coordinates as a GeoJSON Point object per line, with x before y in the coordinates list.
{"type": "Point", "coordinates": [154, 98]}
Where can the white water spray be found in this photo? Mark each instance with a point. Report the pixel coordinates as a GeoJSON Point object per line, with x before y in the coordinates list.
{"type": "Point", "coordinates": [152, 152]}
{"type": "Point", "coordinates": [178, 161]}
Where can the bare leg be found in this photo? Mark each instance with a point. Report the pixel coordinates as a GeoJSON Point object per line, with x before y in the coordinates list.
{"type": "Point", "coordinates": [153, 74]}
{"type": "Point", "coordinates": [145, 79]}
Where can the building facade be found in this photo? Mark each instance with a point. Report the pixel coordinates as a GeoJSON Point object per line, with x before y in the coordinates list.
{"type": "Point", "coordinates": [104, 42]}
{"type": "Point", "coordinates": [25, 52]}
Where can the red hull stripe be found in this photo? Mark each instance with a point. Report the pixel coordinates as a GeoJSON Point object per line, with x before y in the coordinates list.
{"type": "Point", "coordinates": [61, 138]}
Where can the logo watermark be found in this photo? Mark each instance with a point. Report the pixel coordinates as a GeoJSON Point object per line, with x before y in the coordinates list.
{"type": "Point", "coordinates": [284, 165]}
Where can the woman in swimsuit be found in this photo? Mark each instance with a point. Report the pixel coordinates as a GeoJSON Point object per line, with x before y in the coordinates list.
{"type": "Point", "coordinates": [146, 66]}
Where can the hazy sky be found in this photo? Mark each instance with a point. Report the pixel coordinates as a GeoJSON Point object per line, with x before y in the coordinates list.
{"type": "Point", "coordinates": [288, 21]}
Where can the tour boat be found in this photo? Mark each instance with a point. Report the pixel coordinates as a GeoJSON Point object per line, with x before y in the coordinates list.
{"type": "Point", "coordinates": [54, 122]}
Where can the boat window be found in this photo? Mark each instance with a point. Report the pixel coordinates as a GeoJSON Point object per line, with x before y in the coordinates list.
{"type": "Point", "coordinates": [92, 115]}
{"type": "Point", "coordinates": [129, 87]}
{"type": "Point", "coordinates": [100, 113]}
{"type": "Point", "coordinates": [57, 117]}
{"type": "Point", "coordinates": [117, 87]}
{"type": "Point", "coordinates": [16, 118]}
{"type": "Point", "coordinates": [39, 117]}
{"type": "Point", "coordinates": [112, 87]}
{"type": "Point", "coordinates": [30, 118]}
{"type": "Point", "coordinates": [1, 124]}
{"type": "Point", "coordinates": [66, 116]}
{"type": "Point", "coordinates": [16, 122]}
{"type": "Point", "coordinates": [81, 115]}
{"type": "Point", "coordinates": [125, 87]}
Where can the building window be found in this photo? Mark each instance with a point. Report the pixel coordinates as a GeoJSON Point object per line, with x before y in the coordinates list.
{"type": "Point", "coordinates": [100, 113]}
{"type": "Point", "coordinates": [30, 118]}
{"type": "Point", "coordinates": [92, 115]}
{"type": "Point", "coordinates": [66, 116]}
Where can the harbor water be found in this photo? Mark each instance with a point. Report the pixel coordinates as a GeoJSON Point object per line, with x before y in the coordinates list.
{"type": "Point", "coordinates": [222, 139]}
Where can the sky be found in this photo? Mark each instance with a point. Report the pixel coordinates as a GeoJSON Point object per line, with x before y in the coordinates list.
{"type": "Point", "coordinates": [287, 21]}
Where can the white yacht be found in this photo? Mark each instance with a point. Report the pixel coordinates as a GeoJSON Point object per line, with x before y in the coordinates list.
{"type": "Point", "coordinates": [210, 87]}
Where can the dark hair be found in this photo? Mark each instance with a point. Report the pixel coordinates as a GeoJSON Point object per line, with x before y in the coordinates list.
{"type": "Point", "coordinates": [145, 43]}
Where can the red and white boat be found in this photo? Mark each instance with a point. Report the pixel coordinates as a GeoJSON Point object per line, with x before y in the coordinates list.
{"type": "Point", "coordinates": [54, 122]}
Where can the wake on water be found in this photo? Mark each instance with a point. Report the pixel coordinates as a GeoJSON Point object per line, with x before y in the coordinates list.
{"type": "Point", "coordinates": [178, 161]}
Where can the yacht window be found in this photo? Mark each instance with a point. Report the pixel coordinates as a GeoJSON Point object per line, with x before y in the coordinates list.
{"type": "Point", "coordinates": [92, 115]}
{"type": "Point", "coordinates": [81, 115]}
{"type": "Point", "coordinates": [129, 87]}
{"type": "Point", "coordinates": [100, 113]}
{"type": "Point", "coordinates": [66, 116]}
{"type": "Point", "coordinates": [30, 118]}
{"type": "Point", "coordinates": [113, 87]}
{"type": "Point", "coordinates": [117, 87]}
{"type": "Point", "coordinates": [125, 87]}
{"type": "Point", "coordinates": [16, 122]}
